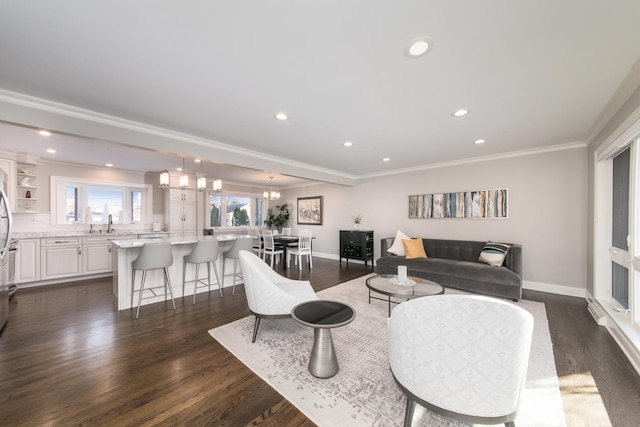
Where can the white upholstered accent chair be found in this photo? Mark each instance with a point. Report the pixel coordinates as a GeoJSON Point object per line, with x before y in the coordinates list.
{"type": "Point", "coordinates": [270, 295]}
{"type": "Point", "coordinates": [464, 357]}
{"type": "Point", "coordinates": [303, 248]}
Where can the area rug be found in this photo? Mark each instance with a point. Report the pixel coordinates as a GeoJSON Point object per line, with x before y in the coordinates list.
{"type": "Point", "coordinates": [363, 393]}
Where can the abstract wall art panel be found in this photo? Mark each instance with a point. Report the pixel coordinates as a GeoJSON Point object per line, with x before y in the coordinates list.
{"type": "Point", "coordinates": [465, 204]}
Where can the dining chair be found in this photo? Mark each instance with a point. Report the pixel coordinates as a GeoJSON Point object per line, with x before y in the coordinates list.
{"type": "Point", "coordinates": [303, 248]}
{"type": "Point", "coordinates": [257, 241]}
{"type": "Point", "coordinates": [270, 248]}
{"type": "Point", "coordinates": [286, 231]}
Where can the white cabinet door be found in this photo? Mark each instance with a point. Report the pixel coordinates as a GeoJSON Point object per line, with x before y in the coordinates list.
{"type": "Point", "coordinates": [59, 261]}
{"type": "Point", "coordinates": [28, 261]}
{"type": "Point", "coordinates": [189, 227]}
{"type": "Point", "coordinates": [96, 258]}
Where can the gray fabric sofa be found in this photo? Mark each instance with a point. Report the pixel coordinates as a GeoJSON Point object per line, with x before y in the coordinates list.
{"type": "Point", "coordinates": [454, 264]}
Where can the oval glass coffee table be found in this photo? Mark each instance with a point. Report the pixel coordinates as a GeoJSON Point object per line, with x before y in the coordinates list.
{"type": "Point", "coordinates": [322, 315]}
{"type": "Point", "coordinates": [383, 284]}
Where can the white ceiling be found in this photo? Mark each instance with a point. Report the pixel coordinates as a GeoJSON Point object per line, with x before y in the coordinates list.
{"type": "Point", "coordinates": [533, 73]}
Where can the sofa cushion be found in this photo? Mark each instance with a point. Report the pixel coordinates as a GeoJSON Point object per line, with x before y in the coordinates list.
{"type": "Point", "coordinates": [494, 253]}
{"type": "Point", "coordinates": [397, 248]}
{"type": "Point", "coordinates": [414, 248]}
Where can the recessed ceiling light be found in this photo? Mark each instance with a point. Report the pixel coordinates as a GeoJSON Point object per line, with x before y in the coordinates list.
{"type": "Point", "coordinates": [281, 116]}
{"type": "Point", "coordinates": [197, 160]}
{"type": "Point", "coordinates": [386, 159]}
{"type": "Point", "coordinates": [418, 47]}
{"type": "Point", "coordinates": [461, 112]}
{"type": "Point", "coordinates": [109, 165]}
{"type": "Point", "coordinates": [44, 132]}
{"type": "Point", "coordinates": [179, 169]}
{"type": "Point", "coordinates": [348, 144]}
{"type": "Point", "coordinates": [51, 151]}
{"type": "Point", "coordinates": [479, 141]}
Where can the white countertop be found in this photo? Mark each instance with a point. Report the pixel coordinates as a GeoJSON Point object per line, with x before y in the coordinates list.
{"type": "Point", "coordinates": [136, 243]}
{"type": "Point", "coordinates": [49, 234]}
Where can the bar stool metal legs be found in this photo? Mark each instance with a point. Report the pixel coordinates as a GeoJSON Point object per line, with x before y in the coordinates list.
{"type": "Point", "coordinates": [205, 251]}
{"type": "Point", "coordinates": [152, 257]}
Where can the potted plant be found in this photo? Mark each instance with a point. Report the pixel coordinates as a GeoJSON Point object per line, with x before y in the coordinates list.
{"type": "Point", "coordinates": [279, 220]}
{"type": "Point", "coordinates": [356, 221]}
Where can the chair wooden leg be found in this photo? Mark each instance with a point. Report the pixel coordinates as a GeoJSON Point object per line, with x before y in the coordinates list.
{"type": "Point", "coordinates": [255, 329]}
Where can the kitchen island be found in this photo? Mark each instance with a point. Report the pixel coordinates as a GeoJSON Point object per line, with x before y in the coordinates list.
{"type": "Point", "coordinates": [125, 251]}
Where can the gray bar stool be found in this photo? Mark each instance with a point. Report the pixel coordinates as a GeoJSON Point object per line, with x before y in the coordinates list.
{"type": "Point", "coordinates": [205, 251]}
{"type": "Point", "coordinates": [153, 256]}
{"type": "Point", "coordinates": [240, 244]}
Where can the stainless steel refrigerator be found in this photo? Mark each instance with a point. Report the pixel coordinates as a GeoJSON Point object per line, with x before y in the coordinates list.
{"type": "Point", "coordinates": [6, 224]}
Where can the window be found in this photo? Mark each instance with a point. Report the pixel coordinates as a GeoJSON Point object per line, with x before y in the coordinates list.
{"type": "Point", "coordinates": [617, 278]}
{"type": "Point", "coordinates": [236, 210]}
{"type": "Point", "coordinates": [82, 201]}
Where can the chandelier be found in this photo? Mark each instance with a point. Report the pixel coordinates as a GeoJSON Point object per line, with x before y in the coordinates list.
{"type": "Point", "coordinates": [271, 195]}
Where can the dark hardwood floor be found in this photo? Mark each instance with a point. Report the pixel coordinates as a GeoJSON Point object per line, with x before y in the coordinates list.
{"type": "Point", "coordinates": [67, 357]}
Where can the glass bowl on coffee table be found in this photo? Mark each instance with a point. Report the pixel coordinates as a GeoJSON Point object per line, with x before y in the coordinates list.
{"type": "Point", "coordinates": [389, 286]}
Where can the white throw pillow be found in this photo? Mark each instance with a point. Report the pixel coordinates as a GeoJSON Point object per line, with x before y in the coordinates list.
{"type": "Point", "coordinates": [397, 248]}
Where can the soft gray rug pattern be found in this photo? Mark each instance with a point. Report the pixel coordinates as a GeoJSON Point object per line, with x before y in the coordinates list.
{"type": "Point", "coordinates": [363, 393]}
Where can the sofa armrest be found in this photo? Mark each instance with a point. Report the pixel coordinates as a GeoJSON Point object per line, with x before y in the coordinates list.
{"type": "Point", "coordinates": [385, 243]}
{"type": "Point", "coordinates": [513, 261]}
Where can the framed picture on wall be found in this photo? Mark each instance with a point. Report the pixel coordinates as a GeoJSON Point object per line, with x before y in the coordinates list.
{"type": "Point", "coordinates": [310, 210]}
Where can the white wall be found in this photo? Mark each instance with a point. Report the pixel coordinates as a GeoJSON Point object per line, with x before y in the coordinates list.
{"type": "Point", "coordinates": [547, 210]}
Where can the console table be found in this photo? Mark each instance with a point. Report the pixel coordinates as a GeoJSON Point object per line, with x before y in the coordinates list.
{"type": "Point", "coordinates": [356, 244]}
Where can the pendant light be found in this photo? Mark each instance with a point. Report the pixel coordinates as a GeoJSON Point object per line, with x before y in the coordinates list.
{"type": "Point", "coordinates": [201, 182]}
{"type": "Point", "coordinates": [164, 180]}
{"type": "Point", "coordinates": [271, 195]}
{"type": "Point", "coordinates": [184, 178]}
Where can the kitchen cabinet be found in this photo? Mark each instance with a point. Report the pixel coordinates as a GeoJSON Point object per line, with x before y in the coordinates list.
{"type": "Point", "coordinates": [28, 261]}
{"type": "Point", "coordinates": [181, 209]}
{"type": "Point", "coordinates": [97, 254]}
{"type": "Point", "coordinates": [60, 257]}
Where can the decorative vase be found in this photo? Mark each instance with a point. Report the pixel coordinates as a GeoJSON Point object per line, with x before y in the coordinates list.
{"type": "Point", "coordinates": [356, 226]}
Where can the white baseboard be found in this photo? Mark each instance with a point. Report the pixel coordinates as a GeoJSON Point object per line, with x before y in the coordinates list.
{"type": "Point", "coordinates": [554, 289]}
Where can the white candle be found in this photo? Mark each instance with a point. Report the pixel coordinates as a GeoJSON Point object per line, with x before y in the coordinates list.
{"type": "Point", "coordinates": [402, 273]}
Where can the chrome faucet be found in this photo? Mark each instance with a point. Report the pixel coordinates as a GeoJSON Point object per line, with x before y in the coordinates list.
{"type": "Point", "coordinates": [110, 223]}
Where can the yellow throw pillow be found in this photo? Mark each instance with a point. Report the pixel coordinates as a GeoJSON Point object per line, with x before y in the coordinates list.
{"type": "Point", "coordinates": [414, 248]}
